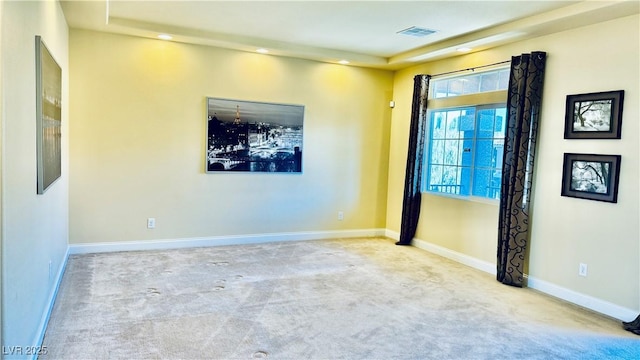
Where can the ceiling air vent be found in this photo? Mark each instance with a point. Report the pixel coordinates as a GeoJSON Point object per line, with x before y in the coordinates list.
{"type": "Point", "coordinates": [416, 31]}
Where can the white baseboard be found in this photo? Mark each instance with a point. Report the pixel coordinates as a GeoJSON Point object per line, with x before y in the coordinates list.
{"type": "Point", "coordinates": [455, 256]}
{"type": "Point", "coordinates": [44, 321]}
{"type": "Point", "coordinates": [86, 248]}
{"type": "Point", "coordinates": [583, 300]}
{"type": "Point", "coordinates": [447, 253]}
{"type": "Point", "coordinates": [392, 234]}
{"type": "Point", "coordinates": [586, 301]}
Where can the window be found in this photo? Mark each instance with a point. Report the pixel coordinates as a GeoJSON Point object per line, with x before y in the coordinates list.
{"type": "Point", "coordinates": [466, 136]}
{"type": "Point", "coordinates": [471, 84]}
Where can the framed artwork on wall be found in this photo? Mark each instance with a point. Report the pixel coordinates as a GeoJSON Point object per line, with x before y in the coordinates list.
{"type": "Point", "coordinates": [594, 115]}
{"type": "Point", "coordinates": [250, 136]}
{"type": "Point", "coordinates": [591, 176]}
{"type": "Point", "coordinates": [48, 117]}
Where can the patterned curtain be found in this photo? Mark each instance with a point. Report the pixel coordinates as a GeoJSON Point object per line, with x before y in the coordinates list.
{"type": "Point", "coordinates": [413, 177]}
{"type": "Point", "coordinates": [523, 109]}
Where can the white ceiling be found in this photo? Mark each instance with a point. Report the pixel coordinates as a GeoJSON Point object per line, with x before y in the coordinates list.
{"type": "Point", "coordinates": [362, 32]}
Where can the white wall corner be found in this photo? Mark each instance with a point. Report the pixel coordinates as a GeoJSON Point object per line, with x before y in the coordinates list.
{"type": "Point", "coordinates": [392, 234]}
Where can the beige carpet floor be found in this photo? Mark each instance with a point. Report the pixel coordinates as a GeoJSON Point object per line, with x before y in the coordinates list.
{"type": "Point", "coordinates": [336, 299]}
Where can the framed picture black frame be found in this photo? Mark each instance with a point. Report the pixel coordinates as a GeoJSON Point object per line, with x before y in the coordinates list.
{"type": "Point", "coordinates": [594, 115]}
{"type": "Point", "coordinates": [252, 136]}
{"type": "Point", "coordinates": [591, 176]}
{"type": "Point", "coordinates": [48, 117]}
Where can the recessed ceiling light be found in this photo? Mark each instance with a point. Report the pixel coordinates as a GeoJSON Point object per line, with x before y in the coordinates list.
{"type": "Point", "coordinates": [262, 51]}
{"type": "Point", "coordinates": [343, 62]}
{"type": "Point", "coordinates": [165, 37]}
{"type": "Point", "coordinates": [464, 49]}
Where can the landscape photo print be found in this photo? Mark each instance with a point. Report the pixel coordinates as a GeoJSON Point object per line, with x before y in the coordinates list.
{"type": "Point", "coordinates": [589, 176]}
{"type": "Point", "coordinates": [594, 115]}
{"type": "Point", "coordinates": [249, 136]}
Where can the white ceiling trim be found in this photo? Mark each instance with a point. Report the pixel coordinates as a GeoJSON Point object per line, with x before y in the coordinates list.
{"type": "Point", "coordinates": [242, 43]}
{"type": "Point", "coordinates": [131, 20]}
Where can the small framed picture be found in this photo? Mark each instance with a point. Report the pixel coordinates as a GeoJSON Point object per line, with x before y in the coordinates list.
{"type": "Point", "coordinates": [590, 176]}
{"type": "Point", "coordinates": [594, 115]}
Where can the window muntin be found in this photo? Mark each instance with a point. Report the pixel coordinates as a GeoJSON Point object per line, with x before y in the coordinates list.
{"type": "Point", "coordinates": [466, 135]}
{"type": "Point", "coordinates": [494, 80]}
{"type": "Point", "coordinates": [465, 150]}
{"type": "Point", "coordinates": [449, 161]}
{"type": "Point", "coordinates": [489, 148]}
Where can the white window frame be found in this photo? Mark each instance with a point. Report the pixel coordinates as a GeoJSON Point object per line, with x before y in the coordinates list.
{"type": "Point", "coordinates": [479, 100]}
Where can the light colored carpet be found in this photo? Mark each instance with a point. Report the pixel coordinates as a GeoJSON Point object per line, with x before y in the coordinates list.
{"type": "Point", "coordinates": [336, 299]}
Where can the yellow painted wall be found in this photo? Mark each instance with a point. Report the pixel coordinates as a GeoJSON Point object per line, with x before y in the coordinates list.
{"type": "Point", "coordinates": [565, 231]}
{"type": "Point", "coordinates": [138, 139]}
{"type": "Point", "coordinates": [34, 227]}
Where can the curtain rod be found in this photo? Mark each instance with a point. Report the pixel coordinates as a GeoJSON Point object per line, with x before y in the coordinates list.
{"type": "Point", "coordinates": [471, 68]}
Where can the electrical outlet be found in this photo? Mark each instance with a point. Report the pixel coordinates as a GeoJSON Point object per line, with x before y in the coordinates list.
{"type": "Point", "coordinates": [582, 270]}
{"type": "Point", "coordinates": [151, 223]}
{"type": "Point", "coordinates": [340, 215]}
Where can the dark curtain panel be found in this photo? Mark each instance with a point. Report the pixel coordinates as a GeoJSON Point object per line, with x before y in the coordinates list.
{"type": "Point", "coordinates": [412, 181]}
{"type": "Point", "coordinates": [633, 326]}
{"type": "Point", "coordinates": [523, 111]}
